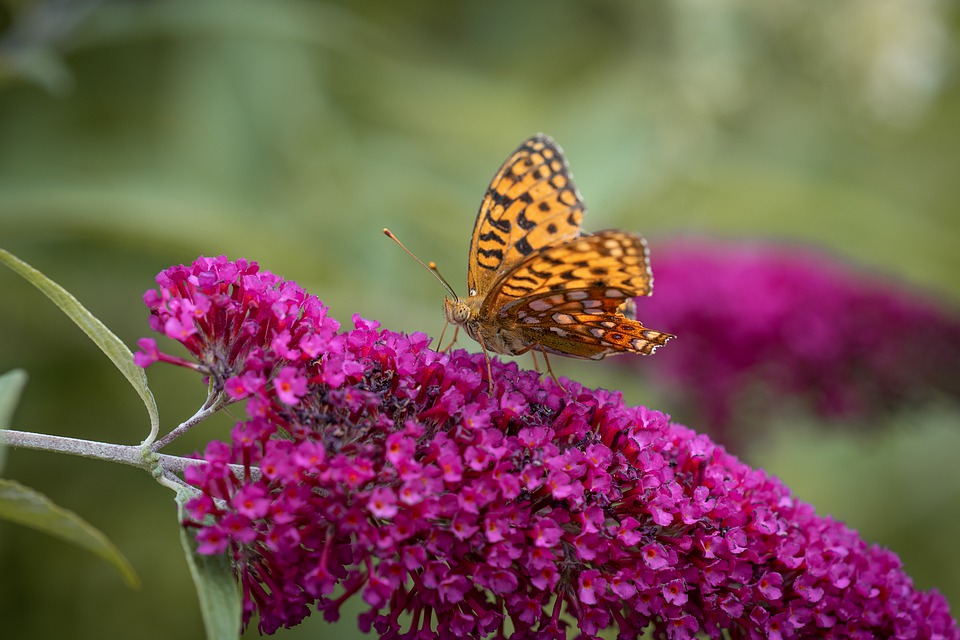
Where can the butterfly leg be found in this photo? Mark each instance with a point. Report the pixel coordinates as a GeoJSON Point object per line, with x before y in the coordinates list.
{"type": "Point", "coordinates": [440, 339]}
{"type": "Point", "coordinates": [552, 374]}
{"type": "Point", "coordinates": [453, 341]}
{"type": "Point", "coordinates": [486, 356]}
{"type": "Point", "coordinates": [546, 360]}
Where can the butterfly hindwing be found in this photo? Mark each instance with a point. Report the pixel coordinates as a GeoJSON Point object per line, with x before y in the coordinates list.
{"type": "Point", "coordinates": [531, 204]}
{"type": "Point", "coordinates": [582, 323]}
{"type": "Point", "coordinates": [576, 298]}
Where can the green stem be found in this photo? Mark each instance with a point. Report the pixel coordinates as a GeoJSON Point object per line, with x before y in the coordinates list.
{"type": "Point", "coordinates": [211, 406]}
{"type": "Point", "coordinates": [132, 455]}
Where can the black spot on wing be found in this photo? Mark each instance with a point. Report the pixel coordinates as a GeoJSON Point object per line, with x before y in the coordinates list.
{"type": "Point", "coordinates": [516, 290]}
{"type": "Point", "coordinates": [524, 222]}
{"type": "Point", "coordinates": [523, 247]}
{"type": "Point", "coordinates": [499, 198]}
{"type": "Point", "coordinates": [492, 236]}
{"type": "Point", "coordinates": [491, 253]}
{"type": "Point", "coordinates": [502, 225]}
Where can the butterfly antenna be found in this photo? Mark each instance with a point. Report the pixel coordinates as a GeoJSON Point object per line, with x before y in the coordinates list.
{"type": "Point", "coordinates": [432, 267]}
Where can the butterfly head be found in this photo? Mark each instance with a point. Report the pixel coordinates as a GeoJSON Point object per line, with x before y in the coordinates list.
{"type": "Point", "coordinates": [457, 311]}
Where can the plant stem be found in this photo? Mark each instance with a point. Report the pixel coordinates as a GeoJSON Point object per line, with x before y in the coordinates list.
{"type": "Point", "coordinates": [132, 455]}
{"type": "Point", "coordinates": [125, 454]}
{"type": "Point", "coordinates": [210, 407]}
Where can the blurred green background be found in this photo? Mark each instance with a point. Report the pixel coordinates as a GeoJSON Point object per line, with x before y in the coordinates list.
{"type": "Point", "coordinates": [135, 135]}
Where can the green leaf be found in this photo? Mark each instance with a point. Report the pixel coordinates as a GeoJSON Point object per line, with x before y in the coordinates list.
{"type": "Point", "coordinates": [109, 343]}
{"type": "Point", "coordinates": [217, 587]}
{"type": "Point", "coordinates": [11, 386]}
{"type": "Point", "coordinates": [32, 509]}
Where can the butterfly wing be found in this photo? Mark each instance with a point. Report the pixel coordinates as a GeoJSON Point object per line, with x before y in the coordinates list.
{"type": "Point", "coordinates": [575, 298]}
{"type": "Point", "coordinates": [561, 324]}
{"type": "Point", "coordinates": [612, 259]}
{"type": "Point", "coordinates": [531, 204]}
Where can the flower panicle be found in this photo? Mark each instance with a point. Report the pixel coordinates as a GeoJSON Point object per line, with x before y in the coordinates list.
{"type": "Point", "coordinates": [243, 327]}
{"type": "Point", "coordinates": [450, 512]}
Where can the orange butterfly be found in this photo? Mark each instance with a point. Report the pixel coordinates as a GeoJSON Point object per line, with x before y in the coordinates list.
{"type": "Point", "coordinates": [535, 281]}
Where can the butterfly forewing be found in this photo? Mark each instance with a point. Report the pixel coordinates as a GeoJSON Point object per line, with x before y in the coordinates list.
{"type": "Point", "coordinates": [531, 204]}
{"type": "Point", "coordinates": [615, 264]}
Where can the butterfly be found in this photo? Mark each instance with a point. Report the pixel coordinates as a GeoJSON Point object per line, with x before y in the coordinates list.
{"type": "Point", "coordinates": [537, 282]}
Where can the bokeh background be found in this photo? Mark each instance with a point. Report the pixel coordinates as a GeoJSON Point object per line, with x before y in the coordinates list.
{"type": "Point", "coordinates": [139, 134]}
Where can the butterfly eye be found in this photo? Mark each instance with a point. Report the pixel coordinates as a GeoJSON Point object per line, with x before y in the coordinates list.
{"type": "Point", "coordinates": [456, 310]}
{"type": "Point", "coordinates": [461, 312]}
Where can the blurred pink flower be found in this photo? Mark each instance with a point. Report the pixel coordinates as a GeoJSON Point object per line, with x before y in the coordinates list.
{"type": "Point", "coordinates": [766, 327]}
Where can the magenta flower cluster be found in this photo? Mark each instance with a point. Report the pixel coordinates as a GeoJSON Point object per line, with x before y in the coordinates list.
{"type": "Point", "coordinates": [772, 327]}
{"type": "Point", "coordinates": [454, 514]}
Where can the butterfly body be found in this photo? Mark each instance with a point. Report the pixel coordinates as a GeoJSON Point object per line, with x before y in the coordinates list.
{"type": "Point", "coordinates": [496, 336]}
{"type": "Point", "coordinates": [537, 282]}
